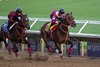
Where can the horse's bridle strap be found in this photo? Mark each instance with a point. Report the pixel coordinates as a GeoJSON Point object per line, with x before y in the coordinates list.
{"type": "Point", "coordinates": [62, 29]}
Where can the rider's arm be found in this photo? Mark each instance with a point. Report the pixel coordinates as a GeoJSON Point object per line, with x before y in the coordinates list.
{"type": "Point", "coordinates": [11, 19]}
{"type": "Point", "coordinates": [54, 20]}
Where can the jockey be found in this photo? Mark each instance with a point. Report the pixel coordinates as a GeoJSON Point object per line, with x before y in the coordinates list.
{"type": "Point", "coordinates": [56, 17]}
{"type": "Point", "coordinates": [14, 18]}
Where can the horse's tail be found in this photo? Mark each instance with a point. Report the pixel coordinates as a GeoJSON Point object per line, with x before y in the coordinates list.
{"type": "Point", "coordinates": [1, 38]}
{"type": "Point", "coordinates": [1, 27]}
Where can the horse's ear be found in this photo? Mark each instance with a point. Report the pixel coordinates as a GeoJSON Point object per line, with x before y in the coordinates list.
{"type": "Point", "coordinates": [26, 14]}
{"type": "Point", "coordinates": [71, 13]}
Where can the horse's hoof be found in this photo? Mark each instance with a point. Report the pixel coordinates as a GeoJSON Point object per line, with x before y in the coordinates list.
{"type": "Point", "coordinates": [69, 56]}
{"type": "Point", "coordinates": [50, 53]}
{"type": "Point", "coordinates": [50, 49]}
{"type": "Point", "coordinates": [30, 57]}
{"type": "Point", "coordinates": [10, 53]}
{"type": "Point", "coordinates": [18, 57]}
{"type": "Point", "coordinates": [61, 56]}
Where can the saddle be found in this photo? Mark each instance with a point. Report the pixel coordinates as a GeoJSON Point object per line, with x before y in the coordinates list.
{"type": "Point", "coordinates": [52, 28]}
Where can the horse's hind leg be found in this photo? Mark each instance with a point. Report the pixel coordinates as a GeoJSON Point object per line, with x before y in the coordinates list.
{"type": "Point", "coordinates": [45, 38]}
{"type": "Point", "coordinates": [47, 46]}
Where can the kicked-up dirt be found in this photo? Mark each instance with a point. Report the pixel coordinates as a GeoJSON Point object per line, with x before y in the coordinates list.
{"type": "Point", "coordinates": [7, 60]}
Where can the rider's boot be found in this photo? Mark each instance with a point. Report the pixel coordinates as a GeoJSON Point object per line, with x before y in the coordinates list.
{"type": "Point", "coordinates": [49, 30]}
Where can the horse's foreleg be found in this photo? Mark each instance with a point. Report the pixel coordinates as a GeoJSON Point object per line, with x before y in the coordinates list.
{"type": "Point", "coordinates": [71, 48]}
{"type": "Point", "coordinates": [58, 46]}
{"type": "Point", "coordinates": [29, 50]}
{"type": "Point", "coordinates": [29, 47]}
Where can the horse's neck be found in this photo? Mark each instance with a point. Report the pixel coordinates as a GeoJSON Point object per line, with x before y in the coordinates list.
{"type": "Point", "coordinates": [18, 31]}
{"type": "Point", "coordinates": [61, 33]}
{"type": "Point", "coordinates": [63, 28]}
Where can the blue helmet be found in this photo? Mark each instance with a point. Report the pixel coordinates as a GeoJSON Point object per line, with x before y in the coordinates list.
{"type": "Point", "coordinates": [19, 10]}
{"type": "Point", "coordinates": [61, 11]}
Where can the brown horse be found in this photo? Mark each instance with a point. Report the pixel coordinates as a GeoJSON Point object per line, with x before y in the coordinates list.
{"type": "Point", "coordinates": [60, 35]}
{"type": "Point", "coordinates": [16, 35]}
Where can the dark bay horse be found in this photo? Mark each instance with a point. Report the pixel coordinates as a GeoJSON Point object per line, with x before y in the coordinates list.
{"type": "Point", "coordinates": [61, 34]}
{"type": "Point", "coordinates": [17, 35]}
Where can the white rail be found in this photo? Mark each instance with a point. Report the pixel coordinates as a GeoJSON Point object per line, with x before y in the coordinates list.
{"type": "Point", "coordinates": [71, 33]}
{"type": "Point", "coordinates": [48, 19]}
{"type": "Point", "coordinates": [34, 22]}
{"type": "Point", "coordinates": [83, 27]}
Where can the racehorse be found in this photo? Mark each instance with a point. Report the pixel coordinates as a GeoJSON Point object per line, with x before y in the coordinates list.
{"type": "Point", "coordinates": [60, 35]}
{"type": "Point", "coordinates": [16, 35]}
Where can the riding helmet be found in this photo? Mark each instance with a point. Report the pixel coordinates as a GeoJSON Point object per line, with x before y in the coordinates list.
{"type": "Point", "coordinates": [61, 11]}
{"type": "Point", "coordinates": [19, 10]}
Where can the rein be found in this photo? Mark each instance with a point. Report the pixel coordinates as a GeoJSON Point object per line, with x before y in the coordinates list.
{"type": "Point", "coordinates": [65, 26]}
{"type": "Point", "coordinates": [18, 31]}
{"type": "Point", "coordinates": [66, 32]}
{"type": "Point", "coordinates": [62, 29]}
{"type": "Point", "coordinates": [20, 27]}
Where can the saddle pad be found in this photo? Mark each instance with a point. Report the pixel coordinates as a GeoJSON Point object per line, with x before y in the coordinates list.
{"type": "Point", "coordinates": [4, 27]}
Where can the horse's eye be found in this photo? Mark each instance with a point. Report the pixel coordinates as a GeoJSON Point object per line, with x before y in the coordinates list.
{"type": "Point", "coordinates": [69, 17]}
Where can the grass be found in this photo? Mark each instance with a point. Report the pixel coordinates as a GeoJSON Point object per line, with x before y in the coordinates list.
{"type": "Point", "coordinates": [82, 9]}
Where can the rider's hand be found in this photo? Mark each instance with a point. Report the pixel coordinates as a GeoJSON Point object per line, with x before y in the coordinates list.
{"type": "Point", "coordinates": [57, 21]}
{"type": "Point", "coordinates": [16, 22]}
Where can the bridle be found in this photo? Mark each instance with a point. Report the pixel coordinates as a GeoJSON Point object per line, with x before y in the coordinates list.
{"type": "Point", "coordinates": [22, 24]}
{"type": "Point", "coordinates": [65, 25]}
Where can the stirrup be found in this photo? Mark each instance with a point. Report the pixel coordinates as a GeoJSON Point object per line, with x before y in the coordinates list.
{"type": "Point", "coordinates": [49, 30]}
{"type": "Point", "coordinates": [8, 31]}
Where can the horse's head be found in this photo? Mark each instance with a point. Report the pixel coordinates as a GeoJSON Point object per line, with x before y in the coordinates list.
{"type": "Point", "coordinates": [69, 19]}
{"type": "Point", "coordinates": [25, 21]}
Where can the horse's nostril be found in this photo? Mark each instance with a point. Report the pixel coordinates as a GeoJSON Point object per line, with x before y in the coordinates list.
{"type": "Point", "coordinates": [28, 28]}
{"type": "Point", "coordinates": [73, 25]}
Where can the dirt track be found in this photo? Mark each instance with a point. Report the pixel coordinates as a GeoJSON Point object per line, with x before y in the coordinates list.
{"type": "Point", "coordinates": [10, 61]}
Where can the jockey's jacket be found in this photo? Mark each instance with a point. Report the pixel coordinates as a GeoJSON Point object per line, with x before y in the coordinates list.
{"type": "Point", "coordinates": [54, 16]}
{"type": "Point", "coordinates": [12, 17]}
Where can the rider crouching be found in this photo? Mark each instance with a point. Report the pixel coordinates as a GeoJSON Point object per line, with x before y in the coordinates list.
{"type": "Point", "coordinates": [14, 18]}
{"type": "Point", "coordinates": [56, 17]}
